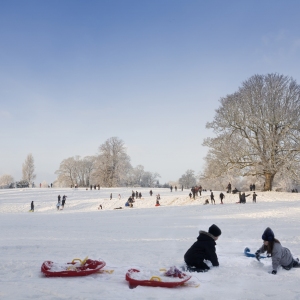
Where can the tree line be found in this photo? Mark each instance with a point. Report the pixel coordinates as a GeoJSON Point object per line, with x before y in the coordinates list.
{"type": "Point", "coordinates": [110, 167]}
{"type": "Point", "coordinates": [28, 175]}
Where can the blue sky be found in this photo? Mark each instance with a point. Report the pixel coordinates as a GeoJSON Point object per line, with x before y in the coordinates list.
{"type": "Point", "coordinates": [75, 73]}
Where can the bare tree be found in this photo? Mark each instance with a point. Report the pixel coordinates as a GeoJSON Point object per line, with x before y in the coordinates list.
{"type": "Point", "coordinates": [149, 179]}
{"type": "Point", "coordinates": [88, 167]}
{"type": "Point", "coordinates": [112, 163]}
{"type": "Point", "coordinates": [258, 129]}
{"type": "Point", "coordinates": [75, 170]}
{"type": "Point", "coordinates": [28, 169]}
{"type": "Point", "coordinates": [67, 174]}
{"type": "Point", "coordinates": [6, 180]}
{"type": "Point", "coordinates": [188, 179]}
{"type": "Point", "coordinates": [138, 173]}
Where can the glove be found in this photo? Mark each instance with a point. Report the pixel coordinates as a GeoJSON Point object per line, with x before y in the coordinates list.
{"type": "Point", "coordinates": [257, 255]}
{"type": "Point", "coordinates": [273, 272]}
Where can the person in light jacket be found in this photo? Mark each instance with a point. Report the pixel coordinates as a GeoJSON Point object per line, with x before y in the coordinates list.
{"type": "Point", "coordinates": [281, 256]}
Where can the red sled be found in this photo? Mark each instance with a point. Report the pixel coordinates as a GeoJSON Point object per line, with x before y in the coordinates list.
{"type": "Point", "coordinates": [84, 268]}
{"type": "Point", "coordinates": [155, 281]}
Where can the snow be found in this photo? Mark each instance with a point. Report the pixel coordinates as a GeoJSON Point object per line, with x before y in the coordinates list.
{"type": "Point", "coordinates": [144, 237]}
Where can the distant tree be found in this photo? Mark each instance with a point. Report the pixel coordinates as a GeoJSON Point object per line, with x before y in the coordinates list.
{"type": "Point", "coordinates": [149, 179]}
{"type": "Point", "coordinates": [6, 180]}
{"type": "Point", "coordinates": [67, 173]}
{"type": "Point", "coordinates": [112, 163]}
{"type": "Point", "coordinates": [188, 179]}
{"type": "Point", "coordinates": [75, 170]}
{"type": "Point", "coordinates": [28, 169]}
{"type": "Point", "coordinates": [111, 167]}
{"type": "Point", "coordinates": [138, 173]}
{"type": "Point", "coordinates": [258, 129]}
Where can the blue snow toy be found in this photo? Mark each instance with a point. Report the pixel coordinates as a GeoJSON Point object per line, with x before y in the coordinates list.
{"type": "Point", "coordinates": [249, 254]}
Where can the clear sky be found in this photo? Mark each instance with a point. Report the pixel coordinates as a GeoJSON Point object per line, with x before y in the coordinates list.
{"type": "Point", "coordinates": [75, 73]}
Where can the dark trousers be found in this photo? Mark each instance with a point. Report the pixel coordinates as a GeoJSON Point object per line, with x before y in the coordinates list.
{"type": "Point", "coordinates": [199, 264]}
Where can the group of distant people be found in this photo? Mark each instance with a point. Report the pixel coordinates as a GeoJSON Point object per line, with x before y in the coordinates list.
{"type": "Point", "coordinates": [61, 205]}
{"type": "Point", "coordinates": [175, 188]}
{"type": "Point", "coordinates": [51, 185]}
{"type": "Point", "coordinates": [95, 186]}
{"type": "Point", "coordinates": [136, 194]}
{"type": "Point", "coordinates": [242, 196]}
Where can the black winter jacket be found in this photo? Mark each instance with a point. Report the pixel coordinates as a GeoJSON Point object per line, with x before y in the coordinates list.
{"type": "Point", "coordinates": [204, 248]}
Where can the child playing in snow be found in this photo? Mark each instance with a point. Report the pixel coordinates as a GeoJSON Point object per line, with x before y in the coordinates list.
{"type": "Point", "coordinates": [281, 256]}
{"type": "Point", "coordinates": [203, 249]}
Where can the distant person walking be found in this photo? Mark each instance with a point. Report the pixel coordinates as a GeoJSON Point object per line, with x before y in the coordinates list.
{"type": "Point", "coordinates": [151, 193]}
{"type": "Point", "coordinates": [58, 202]}
{"type": "Point", "coordinates": [64, 198]}
{"type": "Point", "coordinates": [212, 197]}
{"type": "Point", "coordinates": [171, 188]}
{"type": "Point", "coordinates": [254, 197]}
{"type": "Point", "coordinates": [222, 196]}
{"type": "Point", "coordinates": [32, 206]}
{"type": "Point", "coordinates": [110, 196]}
{"type": "Point", "coordinates": [229, 188]}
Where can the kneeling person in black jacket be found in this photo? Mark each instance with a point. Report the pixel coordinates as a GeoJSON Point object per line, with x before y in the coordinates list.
{"type": "Point", "coordinates": [203, 249]}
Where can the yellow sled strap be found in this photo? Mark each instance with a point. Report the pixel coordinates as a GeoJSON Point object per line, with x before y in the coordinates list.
{"type": "Point", "coordinates": [105, 271]}
{"type": "Point", "coordinates": [155, 278]}
{"type": "Point", "coordinates": [81, 261]}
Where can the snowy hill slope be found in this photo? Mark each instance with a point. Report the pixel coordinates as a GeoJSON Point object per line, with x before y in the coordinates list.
{"type": "Point", "coordinates": [148, 239]}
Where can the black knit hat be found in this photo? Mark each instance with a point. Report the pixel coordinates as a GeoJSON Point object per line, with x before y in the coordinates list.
{"type": "Point", "coordinates": [268, 235]}
{"type": "Point", "coordinates": [214, 230]}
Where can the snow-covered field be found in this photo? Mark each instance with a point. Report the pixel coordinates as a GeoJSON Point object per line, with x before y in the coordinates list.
{"type": "Point", "coordinates": [144, 237]}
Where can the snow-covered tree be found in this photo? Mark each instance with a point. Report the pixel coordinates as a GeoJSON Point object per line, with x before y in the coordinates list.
{"type": "Point", "coordinates": [111, 167]}
{"type": "Point", "coordinates": [67, 174]}
{"type": "Point", "coordinates": [112, 163]}
{"type": "Point", "coordinates": [28, 169]}
{"type": "Point", "coordinates": [258, 129]}
{"type": "Point", "coordinates": [138, 173]}
{"type": "Point", "coordinates": [75, 170]}
{"type": "Point", "coordinates": [149, 179]}
{"type": "Point", "coordinates": [6, 180]}
{"type": "Point", "coordinates": [188, 179]}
